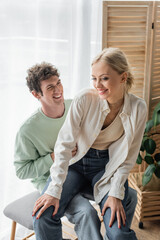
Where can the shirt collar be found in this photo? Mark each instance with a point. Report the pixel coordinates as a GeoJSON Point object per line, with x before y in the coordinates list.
{"type": "Point", "coordinates": [126, 107]}
{"type": "Point", "coordinates": [104, 105]}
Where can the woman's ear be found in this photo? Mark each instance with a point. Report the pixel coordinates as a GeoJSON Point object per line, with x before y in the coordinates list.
{"type": "Point", "coordinates": [36, 95]}
{"type": "Point", "coordinates": [124, 77]}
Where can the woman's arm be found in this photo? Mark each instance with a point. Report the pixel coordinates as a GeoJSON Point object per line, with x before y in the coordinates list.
{"type": "Point", "coordinates": [116, 193]}
{"type": "Point", "coordinates": [65, 143]}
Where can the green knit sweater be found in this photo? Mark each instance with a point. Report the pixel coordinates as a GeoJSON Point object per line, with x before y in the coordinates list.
{"type": "Point", "coordinates": [34, 143]}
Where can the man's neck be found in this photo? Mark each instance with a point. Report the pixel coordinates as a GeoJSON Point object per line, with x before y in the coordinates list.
{"type": "Point", "coordinates": [55, 111]}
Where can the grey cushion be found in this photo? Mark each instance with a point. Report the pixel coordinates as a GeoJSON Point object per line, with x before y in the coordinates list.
{"type": "Point", "coordinates": [20, 210]}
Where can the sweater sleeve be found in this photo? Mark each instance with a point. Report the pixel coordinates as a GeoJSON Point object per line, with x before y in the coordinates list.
{"type": "Point", "coordinates": [120, 176]}
{"type": "Point", "coordinates": [65, 143]}
{"type": "Point", "coordinates": [27, 161]}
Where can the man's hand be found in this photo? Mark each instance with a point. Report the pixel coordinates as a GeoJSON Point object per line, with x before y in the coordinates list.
{"type": "Point", "coordinates": [116, 207]}
{"type": "Point", "coordinates": [52, 156]}
{"type": "Point", "coordinates": [45, 201]}
{"type": "Point", "coordinates": [74, 151]}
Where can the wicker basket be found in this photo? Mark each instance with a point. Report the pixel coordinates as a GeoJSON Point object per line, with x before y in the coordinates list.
{"type": "Point", "coordinates": [148, 205]}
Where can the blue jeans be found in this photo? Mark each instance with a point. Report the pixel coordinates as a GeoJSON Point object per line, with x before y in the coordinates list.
{"type": "Point", "coordinates": [89, 169]}
{"type": "Point", "coordinates": [81, 213]}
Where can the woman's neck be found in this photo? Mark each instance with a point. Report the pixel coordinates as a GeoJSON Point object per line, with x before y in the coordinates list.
{"type": "Point", "coordinates": [116, 105]}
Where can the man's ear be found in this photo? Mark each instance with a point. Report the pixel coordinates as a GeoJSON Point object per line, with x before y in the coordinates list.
{"type": "Point", "coordinates": [36, 95]}
{"type": "Point", "coordinates": [124, 77]}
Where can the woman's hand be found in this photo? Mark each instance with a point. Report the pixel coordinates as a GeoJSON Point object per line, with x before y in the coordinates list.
{"type": "Point", "coordinates": [45, 201]}
{"type": "Point", "coordinates": [116, 207]}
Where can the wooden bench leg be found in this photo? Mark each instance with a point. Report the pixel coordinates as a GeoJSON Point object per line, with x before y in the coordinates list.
{"type": "Point", "coordinates": [30, 235]}
{"type": "Point", "coordinates": [13, 230]}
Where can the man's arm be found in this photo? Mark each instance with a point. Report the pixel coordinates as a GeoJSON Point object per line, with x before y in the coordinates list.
{"type": "Point", "coordinates": [27, 161]}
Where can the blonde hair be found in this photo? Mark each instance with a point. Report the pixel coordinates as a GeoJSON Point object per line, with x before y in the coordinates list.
{"type": "Point", "coordinates": [117, 60]}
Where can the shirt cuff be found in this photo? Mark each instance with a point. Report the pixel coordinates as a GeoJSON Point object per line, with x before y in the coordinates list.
{"type": "Point", "coordinates": [54, 191]}
{"type": "Point", "coordinates": [117, 193]}
{"type": "Point", "coordinates": [48, 161]}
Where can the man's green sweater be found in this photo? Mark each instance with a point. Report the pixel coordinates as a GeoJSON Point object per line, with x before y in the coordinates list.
{"type": "Point", "coordinates": [34, 143]}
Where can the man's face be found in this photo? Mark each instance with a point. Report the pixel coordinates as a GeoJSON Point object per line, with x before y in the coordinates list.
{"type": "Point", "coordinates": [52, 90]}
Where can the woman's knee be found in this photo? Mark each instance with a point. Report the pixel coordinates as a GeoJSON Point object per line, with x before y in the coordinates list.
{"type": "Point", "coordinates": [115, 234]}
{"type": "Point", "coordinates": [46, 217]}
{"type": "Point", "coordinates": [123, 233]}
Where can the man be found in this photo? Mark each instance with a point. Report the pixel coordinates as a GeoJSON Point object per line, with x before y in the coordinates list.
{"type": "Point", "coordinates": [34, 147]}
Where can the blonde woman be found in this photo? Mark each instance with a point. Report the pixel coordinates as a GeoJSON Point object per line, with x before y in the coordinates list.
{"type": "Point", "coordinates": [107, 123]}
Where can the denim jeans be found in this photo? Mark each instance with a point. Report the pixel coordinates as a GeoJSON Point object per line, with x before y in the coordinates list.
{"type": "Point", "coordinates": [84, 217]}
{"type": "Point", "coordinates": [87, 170]}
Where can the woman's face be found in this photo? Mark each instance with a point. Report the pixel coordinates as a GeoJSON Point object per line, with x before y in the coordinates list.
{"type": "Point", "coordinates": [108, 82]}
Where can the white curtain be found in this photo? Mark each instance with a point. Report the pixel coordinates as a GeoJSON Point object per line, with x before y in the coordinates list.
{"type": "Point", "coordinates": [66, 33]}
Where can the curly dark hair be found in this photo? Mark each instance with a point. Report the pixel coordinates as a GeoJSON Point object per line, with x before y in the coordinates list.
{"type": "Point", "coordinates": [39, 73]}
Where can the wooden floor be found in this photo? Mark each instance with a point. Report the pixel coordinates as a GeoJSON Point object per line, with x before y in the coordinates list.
{"type": "Point", "coordinates": [151, 230]}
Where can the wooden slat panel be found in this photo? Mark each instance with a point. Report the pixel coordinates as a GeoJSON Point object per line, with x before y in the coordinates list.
{"type": "Point", "coordinates": [120, 33]}
{"type": "Point", "coordinates": [129, 13]}
{"type": "Point", "coordinates": [120, 23]}
{"type": "Point", "coordinates": [125, 38]}
{"type": "Point", "coordinates": [127, 3]}
{"type": "Point", "coordinates": [128, 27]}
{"type": "Point", "coordinates": [126, 44]}
{"type": "Point", "coordinates": [128, 18]}
{"type": "Point", "coordinates": [155, 70]}
{"type": "Point", "coordinates": [126, 8]}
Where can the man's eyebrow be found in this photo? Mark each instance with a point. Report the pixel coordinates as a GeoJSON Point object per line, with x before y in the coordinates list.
{"type": "Point", "coordinates": [50, 85]}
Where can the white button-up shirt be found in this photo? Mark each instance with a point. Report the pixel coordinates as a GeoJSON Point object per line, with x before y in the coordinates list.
{"type": "Point", "coordinates": [82, 126]}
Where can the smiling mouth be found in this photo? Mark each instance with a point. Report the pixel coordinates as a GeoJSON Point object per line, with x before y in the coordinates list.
{"type": "Point", "coordinates": [101, 92]}
{"type": "Point", "coordinates": [58, 96]}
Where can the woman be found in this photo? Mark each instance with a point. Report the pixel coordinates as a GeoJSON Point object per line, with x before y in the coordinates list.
{"type": "Point", "coordinates": [107, 123]}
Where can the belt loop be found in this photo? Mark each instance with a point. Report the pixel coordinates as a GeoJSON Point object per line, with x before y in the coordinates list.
{"type": "Point", "coordinates": [97, 151]}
